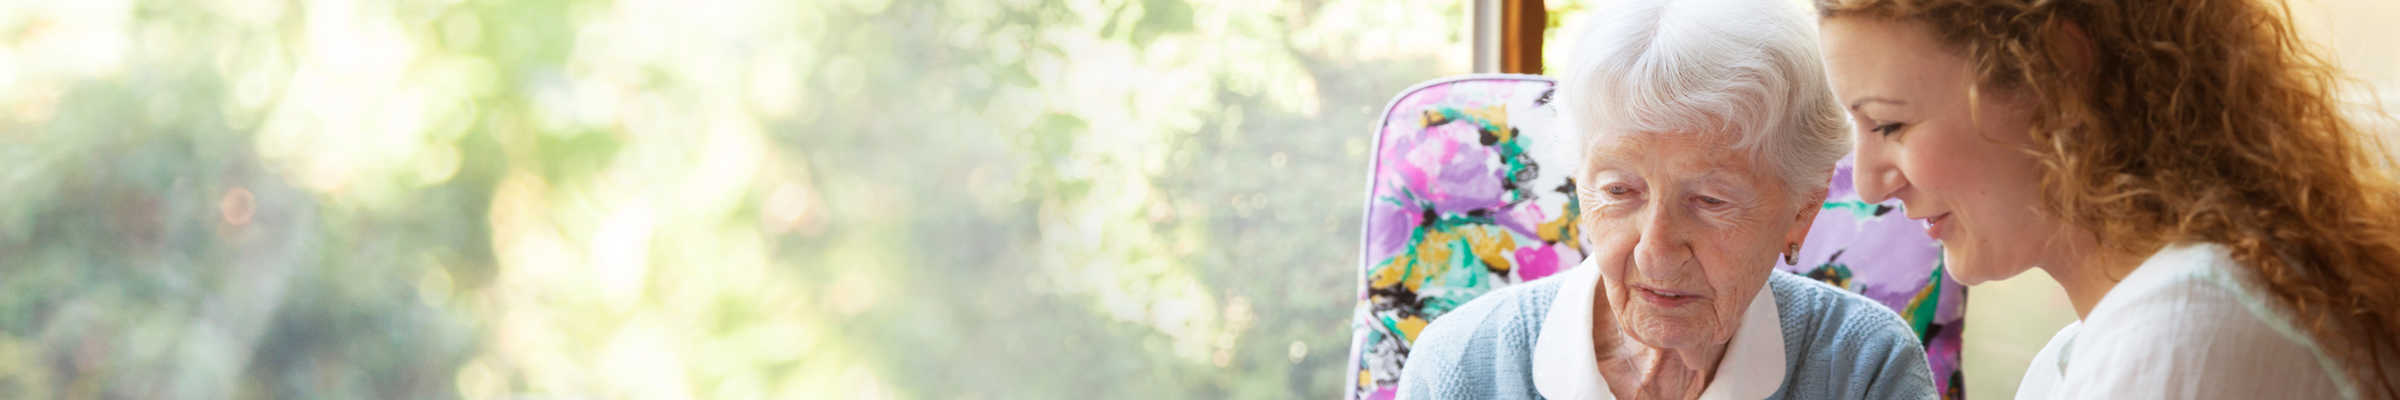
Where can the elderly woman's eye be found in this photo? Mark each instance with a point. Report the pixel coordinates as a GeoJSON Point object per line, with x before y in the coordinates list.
{"type": "Point", "coordinates": [1617, 190]}
{"type": "Point", "coordinates": [1710, 201]}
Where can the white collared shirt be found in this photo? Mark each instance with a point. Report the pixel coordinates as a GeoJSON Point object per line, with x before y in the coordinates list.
{"type": "Point", "coordinates": [2046, 370]}
{"type": "Point", "coordinates": [2189, 323]}
{"type": "Point", "coordinates": [1564, 366]}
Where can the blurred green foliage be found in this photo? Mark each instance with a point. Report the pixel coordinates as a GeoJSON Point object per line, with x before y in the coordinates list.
{"type": "Point", "coordinates": [662, 199]}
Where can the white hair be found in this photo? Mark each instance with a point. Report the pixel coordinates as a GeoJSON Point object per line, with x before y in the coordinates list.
{"type": "Point", "coordinates": [1747, 67]}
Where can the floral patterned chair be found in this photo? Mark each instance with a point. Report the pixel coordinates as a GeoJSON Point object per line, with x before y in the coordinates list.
{"type": "Point", "coordinates": [1468, 192]}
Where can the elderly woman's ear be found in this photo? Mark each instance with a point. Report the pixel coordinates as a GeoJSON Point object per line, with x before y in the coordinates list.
{"type": "Point", "coordinates": [1804, 218]}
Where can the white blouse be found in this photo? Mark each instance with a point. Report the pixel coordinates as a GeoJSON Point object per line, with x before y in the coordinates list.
{"type": "Point", "coordinates": [2189, 323]}
{"type": "Point", "coordinates": [1564, 366]}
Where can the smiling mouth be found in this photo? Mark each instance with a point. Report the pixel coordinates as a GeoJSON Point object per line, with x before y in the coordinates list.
{"type": "Point", "coordinates": [1934, 225]}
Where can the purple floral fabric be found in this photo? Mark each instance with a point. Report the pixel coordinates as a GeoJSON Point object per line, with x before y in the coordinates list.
{"type": "Point", "coordinates": [1469, 192]}
{"type": "Point", "coordinates": [1875, 250]}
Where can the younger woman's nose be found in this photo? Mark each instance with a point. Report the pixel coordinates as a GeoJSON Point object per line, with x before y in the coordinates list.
{"type": "Point", "coordinates": [1875, 176]}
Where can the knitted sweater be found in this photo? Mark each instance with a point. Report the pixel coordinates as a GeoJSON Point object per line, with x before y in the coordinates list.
{"type": "Point", "coordinates": [1837, 345]}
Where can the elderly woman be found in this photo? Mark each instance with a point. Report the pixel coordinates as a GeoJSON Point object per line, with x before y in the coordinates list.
{"type": "Point", "coordinates": [1710, 135]}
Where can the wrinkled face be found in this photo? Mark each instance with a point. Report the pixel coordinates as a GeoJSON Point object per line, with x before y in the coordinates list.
{"type": "Point", "coordinates": [1958, 165]}
{"type": "Point", "coordinates": [1684, 230]}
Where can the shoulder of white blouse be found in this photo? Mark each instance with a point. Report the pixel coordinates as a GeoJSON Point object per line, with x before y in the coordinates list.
{"type": "Point", "coordinates": [2188, 315]}
{"type": "Point", "coordinates": [2189, 277]}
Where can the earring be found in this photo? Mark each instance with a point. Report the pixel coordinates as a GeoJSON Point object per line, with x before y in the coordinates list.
{"type": "Point", "coordinates": [1792, 257]}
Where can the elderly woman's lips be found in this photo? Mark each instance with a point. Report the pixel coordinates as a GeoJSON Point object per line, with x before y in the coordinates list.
{"type": "Point", "coordinates": [1666, 298]}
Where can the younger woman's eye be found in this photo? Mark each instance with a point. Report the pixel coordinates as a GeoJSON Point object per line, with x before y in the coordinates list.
{"type": "Point", "coordinates": [1886, 129]}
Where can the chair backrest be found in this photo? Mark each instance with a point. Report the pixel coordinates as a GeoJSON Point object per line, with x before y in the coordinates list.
{"type": "Point", "coordinates": [1469, 191]}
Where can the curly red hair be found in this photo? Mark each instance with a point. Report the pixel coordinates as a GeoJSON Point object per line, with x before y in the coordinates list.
{"type": "Point", "coordinates": [2219, 124]}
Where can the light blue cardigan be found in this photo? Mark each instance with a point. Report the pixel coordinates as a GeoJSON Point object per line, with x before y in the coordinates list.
{"type": "Point", "coordinates": [1837, 345]}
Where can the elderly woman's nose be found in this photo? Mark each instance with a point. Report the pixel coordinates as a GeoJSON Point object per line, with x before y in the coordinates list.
{"type": "Point", "coordinates": [1664, 241]}
{"type": "Point", "coordinates": [1875, 176]}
